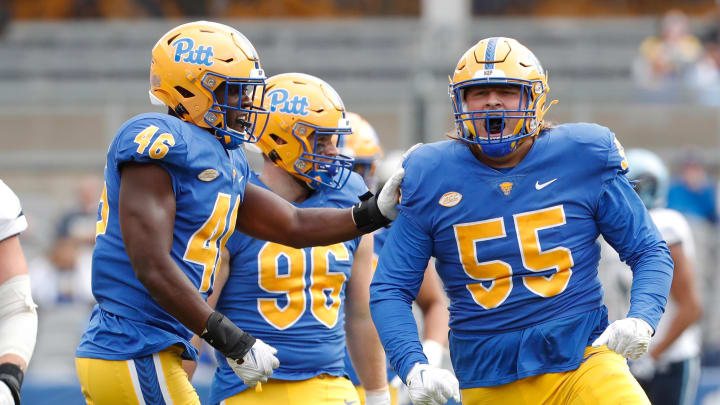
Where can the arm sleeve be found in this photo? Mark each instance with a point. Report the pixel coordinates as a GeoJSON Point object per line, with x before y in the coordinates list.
{"type": "Point", "coordinates": [395, 285]}
{"type": "Point", "coordinates": [627, 227]}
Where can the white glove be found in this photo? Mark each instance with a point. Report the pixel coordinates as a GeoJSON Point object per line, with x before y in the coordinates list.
{"type": "Point", "coordinates": [377, 397]}
{"type": "Point", "coordinates": [629, 337]}
{"type": "Point", "coordinates": [6, 397]}
{"type": "Point", "coordinates": [257, 365]}
{"type": "Point", "coordinates": [643, 368]}
{"type": "Point", "coordinates": [430, 385]}
{"type": "Point", "coordinates": [389, 196]}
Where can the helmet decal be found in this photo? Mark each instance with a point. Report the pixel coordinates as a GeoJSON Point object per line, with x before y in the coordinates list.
{"type": "Point", "coordinates": [306, 130]}
{"type": "Point", "coordinates": [199, 56]}
{"type": "Point", "coordinates": [281, 101]}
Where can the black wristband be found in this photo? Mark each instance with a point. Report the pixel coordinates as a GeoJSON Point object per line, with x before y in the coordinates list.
{"type": "Point", "coordinates": [227, 337]}
{"type": "Point", "coordinates": [12, 375]}
{"type": "Point", "coordinates": [367, 215]}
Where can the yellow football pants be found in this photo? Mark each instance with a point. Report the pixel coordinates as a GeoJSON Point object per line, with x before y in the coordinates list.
{"type": "Point", "coordinates": [393, 395]}
{"type": "Point", "coordinates": [154, 379]}
{"type": "Point", "coordinates": [320, 390]}
{"type": "Point", "coordinates": [602, 379]}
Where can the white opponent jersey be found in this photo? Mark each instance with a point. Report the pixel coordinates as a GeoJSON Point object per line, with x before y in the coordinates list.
{"type": "Point", "coordinates": [12, 220]}
{"type": "Point", "coordinates": [617, 280]}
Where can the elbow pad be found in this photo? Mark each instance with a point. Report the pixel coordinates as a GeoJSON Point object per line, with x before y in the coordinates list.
{"type": "Point", "coordinates": [18, 318]}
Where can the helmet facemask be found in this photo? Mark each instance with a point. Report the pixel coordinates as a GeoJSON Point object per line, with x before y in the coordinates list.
{"type": "Point", "coordinates": [313, 165]}
{"type": "Point", "coordinates": [235, 110]}
{"type": "Point", "coordinates": [486, 128]}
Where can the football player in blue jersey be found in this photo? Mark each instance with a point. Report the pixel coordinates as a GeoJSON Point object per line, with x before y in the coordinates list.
{"type": "Point", "coordinates": [511, 210]}
{"type": "Point", "coordinates": [303, 302]}
{"type": "Point", "coordinates": [176, 187]}
{"type": "Point", "coordinates": [363, 144]}
{"type": "Point", "coordinates": [18, 316]}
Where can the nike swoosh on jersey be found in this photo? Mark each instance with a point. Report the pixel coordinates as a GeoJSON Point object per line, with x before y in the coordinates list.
{"type": "Point", "coordinates": [539, 186]}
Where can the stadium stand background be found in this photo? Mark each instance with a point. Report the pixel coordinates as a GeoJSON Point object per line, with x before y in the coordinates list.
{"type": "Point", "coordinates": [72, 71]}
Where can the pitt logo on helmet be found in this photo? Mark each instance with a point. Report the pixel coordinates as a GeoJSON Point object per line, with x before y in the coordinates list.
{"type": "Point", "coordinates": [199, 56]}
{"type": "Point", "coordinates": [280, 101]}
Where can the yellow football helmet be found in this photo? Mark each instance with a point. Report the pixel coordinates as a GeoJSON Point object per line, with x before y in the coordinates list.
{"type": "Point", "coordinates": [302, 109]}
{"type": "Point", "coordinates": [207, 73]}
{"type": "Point", "coordinates": [499, 61]}
{"type": "Point", "coordinates": [363, 145]}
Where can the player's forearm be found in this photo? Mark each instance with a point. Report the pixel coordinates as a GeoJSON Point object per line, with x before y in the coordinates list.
{"type": "Point", "coordinates": [367, 354]}
{"type": "Point", "coordinates": [652, 277]}
{"type": "Point", "coordinates": [322, 226]}
{"type": "Point", "coordinates": [172, 290]}
{"type": "Point", "coordinates": [396, 327]}
{"type": "Point", "coordinates": [682, 320]}
{"type": "Point", "coordinates": [435, 324]}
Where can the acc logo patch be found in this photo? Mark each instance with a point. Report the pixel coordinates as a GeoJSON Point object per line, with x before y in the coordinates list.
{"type": "Point", "coordinates": [208, 175]}
{"type": "Point", "coordinates": [506, 187]}
{"type": "Point", "coordinates": [199, 56]}
{"type": "Point", "coordinates": [450, 199]}
{"type": "Point", "coordinates": [280, 101]}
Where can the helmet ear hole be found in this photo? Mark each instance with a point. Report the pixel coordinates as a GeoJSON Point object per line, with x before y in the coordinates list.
{"type": "Point", "coordinates": [277, 139]}
{"type": "Point", "coordinates": [184, 92]}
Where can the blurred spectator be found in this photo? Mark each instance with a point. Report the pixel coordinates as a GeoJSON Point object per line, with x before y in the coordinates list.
{"type": "Point", "coordinates": [693, 192]}
{"type": "Point", "coordinates": [78, 226]}
{"type": "Point", "coordinates": [55, 277]}
{"type": "Point", "coordinates": [79, 222]}
{"type": "Point", "coordinates": [667, 59]}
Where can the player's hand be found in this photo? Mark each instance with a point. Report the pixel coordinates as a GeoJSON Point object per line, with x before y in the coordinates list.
{"type": "Point", "coordinates": [377, 211]}
{"type": "Point", "coordinates": [257, 365]}
{"type": "Point", "coordinates": [390, 194]}
{"type": "Point", "coordinates": [430, 385]}
{"type": "Point", "coordinates": [6, 397]}
{"type": "Point", "coordinates": [643, 368]}
{"type": "Point", "coordinates": [377, 397]}
{"type": "Point", "coordinates": [629, 337]}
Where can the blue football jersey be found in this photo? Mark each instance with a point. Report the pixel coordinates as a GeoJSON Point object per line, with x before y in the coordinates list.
{"type": "Point", "coordinates": [516, 250]}
{"type": "Point", "coordinates": [208, 182]}
{"type": "Point", "coordinates": [292, 299]}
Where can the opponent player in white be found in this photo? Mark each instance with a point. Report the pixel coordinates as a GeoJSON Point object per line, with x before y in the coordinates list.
{"type": "Point", "coordinates": [670, 372]}
{"type": "Point", "coordinates": [18, 317]}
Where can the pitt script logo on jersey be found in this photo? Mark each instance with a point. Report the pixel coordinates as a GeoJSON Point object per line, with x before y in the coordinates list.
{"type": "Point", "coordinates": [280, 101]}
{"type": "Point", "coordinates": [197, 56]}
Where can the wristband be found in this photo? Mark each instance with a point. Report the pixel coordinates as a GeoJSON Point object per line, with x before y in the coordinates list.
{"type": "Point", "coordinates": [227, 337]}
{"type": "Point", "coordinates": [367, 215]}
{"type": "Point", "coordinates": [12, 375]}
